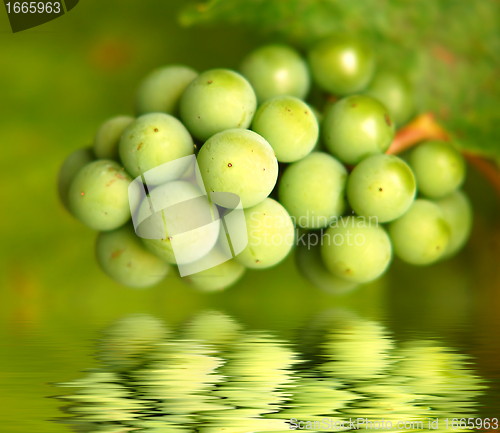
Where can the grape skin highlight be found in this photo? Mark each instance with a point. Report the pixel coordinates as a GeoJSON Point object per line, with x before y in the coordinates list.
{"type": "Point", "coordinates": [341, 64]}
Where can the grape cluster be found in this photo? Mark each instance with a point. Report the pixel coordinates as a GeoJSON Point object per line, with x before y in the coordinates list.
{"type": "Point", "coordinates": [302, 143]}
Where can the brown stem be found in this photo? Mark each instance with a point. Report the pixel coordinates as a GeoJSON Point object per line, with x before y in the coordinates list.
{"type": "Point", "coordinates": [486, 167]}
{"type": "Point", "coordinates": [424, 127]}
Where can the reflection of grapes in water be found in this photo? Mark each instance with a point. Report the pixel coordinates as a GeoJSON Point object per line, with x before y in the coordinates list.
{"type": "Point", "coordinates": [100, 400]}
{"type": "Point", "coordinates": [219, 377]}
{"type": "Point", "coordinates": [438, 376]}
{"type": "Point", "coordinates": [258, 374]}
{"type": "Point", "coordinates": [125, 343]}
{"type": "Point", "coordinates": [214, 328]}
{"type": "Point", "coordinates": [179, 381]}
{"type": "Point", "coordinates": [356, 350]}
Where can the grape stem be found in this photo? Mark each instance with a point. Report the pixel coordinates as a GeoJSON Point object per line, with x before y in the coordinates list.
{"type": "Point", "coordinates": [424, 127]}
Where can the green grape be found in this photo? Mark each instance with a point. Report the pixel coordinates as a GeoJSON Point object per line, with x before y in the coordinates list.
{"type": "Point", "coordinates": [289, 125]}
{"type": "Point", "coordinates": [311, 266]}
{"type": "Point", "coordinates": [312, 190]}
{"type": "Point", "coordinates": [356, 249]}
{"type": "Point", "coordinates": [69, 169]}
{"type": "Point", "coordinates": [99, 195]}
{"type": "Point", "coordinates": [271, 235]}
{"type": "Point", "coordinates": [217, 100]}
{"type": "Point", "coordinates": [396, 93]}
{"type": "Point", "coordinates": [275, 70]}
{"type": "Point", "coordinates": [382, 186]}
{"type": "Point", "coordinates": [161, 90]}
{"type": "Point", "coordinates": [357, 127]}
{"type": "Point", "coordinates": [457, 212]}
{"type": "Point", "coordinates": [152, 140]}
{"type": "Point", "coordinates": [341, 65]}
{"type": "Point", "coordinates": [186, 246]}
{"type": "Point", "coordinates": [421, 235]}
{"type": "Point", "coordinates": [108, 136]}
{"type": "Point", "coordinates": [240, 162]}
{"type": "Point", "coordinates": [438, 167]}
{"type": "Point", "coordinates": [216, 278]}
{"type": "Point", "coordinates": [122, 256]}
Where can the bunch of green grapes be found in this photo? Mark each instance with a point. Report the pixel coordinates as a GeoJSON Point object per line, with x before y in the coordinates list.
{"type": "Point", "coordinates": [209, 149]}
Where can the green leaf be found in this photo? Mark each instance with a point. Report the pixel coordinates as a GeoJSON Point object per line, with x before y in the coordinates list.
{"type": "Point", "coordinates": [449, 48]}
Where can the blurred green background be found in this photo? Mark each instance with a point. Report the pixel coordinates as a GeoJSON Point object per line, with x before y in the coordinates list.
{"type": "Point", "coordinates": [58, 82]}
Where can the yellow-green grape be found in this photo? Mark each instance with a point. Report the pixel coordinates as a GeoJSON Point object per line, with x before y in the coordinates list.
{"type": "Point", "coordinates": [240, 162]}
{"type": "Point", "coordinates": [356, 350]}
{"type": "Point", "coordinates": [396, 93]}
{"type": "Point", "coordinates": [341, 64]}
{"type": "Point", "coordinates": [289, 125]}
{"type": "Point", "coordinates": [152, 140]}
{"type": "Point", "coordinates": [313, 189]}
{"type": "Point", "coordinates": [161, 90]}
{"type": "Point", "coordinates": [357, 127]}
{"type": "Point", "coordinates": [356, 249]}
{"type": "Point", "coordinates": [99, 195]}
{"type": "Point", "coordinates": [311, 266]}
{"type": "Point", "coordinates": [123, 257]}
{"type": "Point", "coordinates": [382, 186]}
{"type": "Point", "coordinates": [125, 344]}
{"type": "Point", "coordinates": [217, 100]}
{"type": "Point", "coordinates": [457, 212]}
{"type": "Point", "coordinates": [271, 235]}
{"type": "Point", "coordinates": [421, 235]}
{"type": "Point", "coordinates": [275, 70]}
{"type": "Point", "coordinates": [107, 138]}
{"type": "Point", "coordinates": [217, 278]}
{"type": "Point", "coordinates": [69, 169]}
{"type": "Point", "coordinates": [439, 168]}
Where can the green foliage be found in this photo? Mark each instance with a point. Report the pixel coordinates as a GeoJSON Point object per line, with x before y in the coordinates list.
{"type": "Point", "coordinates": [448, 48]}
